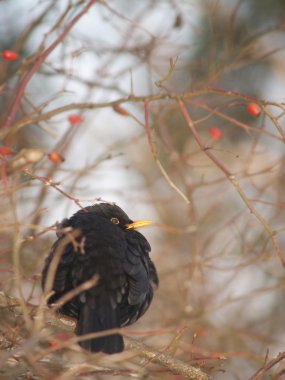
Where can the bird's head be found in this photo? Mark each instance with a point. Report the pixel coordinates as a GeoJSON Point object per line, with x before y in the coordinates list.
{"type": "Point", "coordinates": [117, 216]}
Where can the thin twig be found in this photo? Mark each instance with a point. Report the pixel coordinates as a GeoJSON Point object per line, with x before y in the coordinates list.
{"type": "Point", "coordinates": [39, 61]}
{"type": "Point", "coordinates": [68, 238]}
{"type": "Point", "coordinates": [17, 277]}
{"type": "Point", "coordinates": [268, 366]}
{"type": "Point", "coordinates": [156, 159]}
{"type": "Point", "coordinates": [35, 117]}
{"type": "Point", "coordinates": [54, 185]}
{"type": "Point", "coordinates": [174, 365]}
{"type": "Point", "coordinates": [74, 292]}
{"type": "Point", "coordinates": [233, 181]}
{"type": "Point", "coordinates": [234, 121]}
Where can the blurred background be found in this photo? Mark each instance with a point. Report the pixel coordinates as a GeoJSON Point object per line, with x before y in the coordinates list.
{"type": "Point", "coordinates": [79, 135]}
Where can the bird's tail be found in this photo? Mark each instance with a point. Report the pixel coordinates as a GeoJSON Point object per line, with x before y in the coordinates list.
{"type": "Point", "coordinates": [97, 319]}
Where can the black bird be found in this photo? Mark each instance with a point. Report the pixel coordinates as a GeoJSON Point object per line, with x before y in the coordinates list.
{"type": "Point", "coordinates": [109, 246]}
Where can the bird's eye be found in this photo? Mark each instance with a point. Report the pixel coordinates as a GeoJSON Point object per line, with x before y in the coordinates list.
{"type": "Point", "coordinates": [115, 220]}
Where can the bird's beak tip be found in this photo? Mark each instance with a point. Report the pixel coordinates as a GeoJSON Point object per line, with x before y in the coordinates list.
{"type": "Point", "coordinates": [138, 224]}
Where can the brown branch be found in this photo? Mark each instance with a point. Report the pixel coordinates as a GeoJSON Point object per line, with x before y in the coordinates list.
{"type": "Point", "coordinates": [74, 292]}
{"type": "Point", "coordinates": [234, 121]}
{"type": "Point", "coordinates": [268, 366]}
{"type": "Point", "coordinates": [54, 185]}
{"type": "Point", "coordinates": [232, 180]}
{"type": "Point", "coordinates": [23, 84]}
{"type": "Point", "coordinates": [204, 148]}
{"type": "Point", "coordinates": [174, 365]}
{"type": "Point", "coordinates": [35, 117]}
{"type": "Point", "coordinates": [275, 122]}
{"type": "Point", "coordinates": [156, 159]}
{"type": "Point", "coordinates": [39, 316]}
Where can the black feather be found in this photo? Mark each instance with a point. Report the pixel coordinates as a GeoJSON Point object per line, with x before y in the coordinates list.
{"type": "Point", "coordinates": [94, 319]}
{"type": "Point", "coordinates": [127, 276]}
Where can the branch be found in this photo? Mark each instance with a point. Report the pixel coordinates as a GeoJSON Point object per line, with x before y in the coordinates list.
{"type": "Point", "coordinates": [233, 181]}
{"type": "Point", "coordinates": [268, 366]}
{"type": "Point", "coordinates": [176, 366]}
{"type": "Point", "coordinates": [35, 117]}
{"type": "Point", "coordinates": [23, 84]}
{"type": "Point", "coordinates": [156, 159]}
{"type": "Point", "coordinates": [47, 182]}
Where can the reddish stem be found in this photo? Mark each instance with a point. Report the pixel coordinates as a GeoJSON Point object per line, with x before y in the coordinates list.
{"type": "Point", "coordinates": [199, 141]}
{"type": "Point", "coordinates": [27, 77]}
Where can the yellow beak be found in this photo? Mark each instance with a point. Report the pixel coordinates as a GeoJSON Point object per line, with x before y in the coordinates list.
{"type": "Point", "coordinates": [138, 224]}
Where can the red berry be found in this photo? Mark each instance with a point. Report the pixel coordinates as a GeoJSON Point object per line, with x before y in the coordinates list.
{"type": "Point", "coordinates": [53, 343]}
{"type": "Point", "coordinates": [253, 109]}
{"type": "Point", "coordinates": [10, 55]}
{"type": "Point", "coordinates": [59, 338]}
{"type": "Point", "coordinates": [74, 119]}
{"type": "Point", "coordinates": [5, 151]}
{"type": "Point", "coordinates": [55, 157]}
{"type": "Point", "coordinates": [215, 133]}
{"type": "Point", "coordinates": [121, 110]}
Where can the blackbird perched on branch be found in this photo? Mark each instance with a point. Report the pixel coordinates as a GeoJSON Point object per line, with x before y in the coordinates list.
{"type": "Point", "coordinates": [101, 240]}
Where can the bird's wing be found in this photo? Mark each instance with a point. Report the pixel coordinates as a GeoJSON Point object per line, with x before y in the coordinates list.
{"type": "Point", "coordinates": [153, 277]}
{"type": "Point", "coordinates": [136, 266]}
{"type": "Point", "coordinates": [63, 267]}
{"type": "Point", "coordinates": [62, 278]}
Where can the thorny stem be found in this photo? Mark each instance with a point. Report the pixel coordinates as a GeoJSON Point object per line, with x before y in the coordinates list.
{"type": "Point", "coordinates": [35, 117]}
{"type": "Point", "coordinates": [233, 120]}
{"type": "Point", "coordinates": [23, 84]}
{"type": "Point", "coordinates": [199, 142]}
{"type": "Point", "coordinates": [275, 122]}
{"type": "Point", "coordinates": [54, 185]}
{"type": "Point", "coordinates": [232, 180]}
{"type": "Point", "coordinates": [174, 365]}
{"type": "Point", "coordinates": [268, 366]}
{"type": "Point", "coordinates": [60, 147]}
